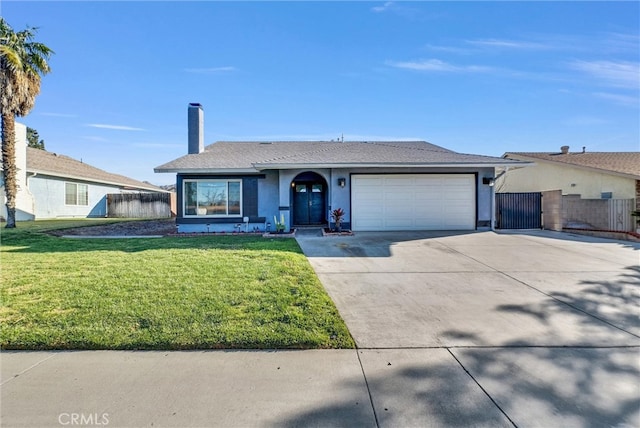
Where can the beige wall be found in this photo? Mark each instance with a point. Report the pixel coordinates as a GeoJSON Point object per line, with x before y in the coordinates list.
{"type": "Point", "coordinates": [572, 181]}
{"type": "Point", "coordinates": [552, 210]}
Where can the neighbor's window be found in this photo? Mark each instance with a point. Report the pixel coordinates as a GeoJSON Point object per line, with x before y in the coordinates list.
{"type": "Point", "coordinates": [212, 198]}
{"type": "Point", "coordinates": [76, 194]}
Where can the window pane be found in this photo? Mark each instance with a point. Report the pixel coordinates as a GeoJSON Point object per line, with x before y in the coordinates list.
{"type": "Point", "coordinates": [190, 192]}
{"type": "Point", "coordinates": [316, 188]}
{"type": "Point", "coordinates": [70, 194]}
{"type": "Point", "coordinates": [83, 194]}
{"type": "Point", "coordinates": [234, 197]}
{"type": "Point", "coordinates": [301, 188]}
{"type": "Point", "coordinates": [213, 197]}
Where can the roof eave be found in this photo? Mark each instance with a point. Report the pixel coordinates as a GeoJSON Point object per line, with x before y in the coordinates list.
{"type": "Point", "coordinates": [206, 170]}
{"type": "Point", "coordinates": [589, 168]}
{"type": "Point", "coordinates": [265, 166]}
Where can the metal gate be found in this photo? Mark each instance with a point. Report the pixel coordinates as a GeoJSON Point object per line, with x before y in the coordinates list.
{"type": "Point", "coordinates": [519, 210]}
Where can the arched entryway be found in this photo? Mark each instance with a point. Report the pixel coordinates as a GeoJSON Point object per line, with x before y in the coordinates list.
{"type": "Point", "coordinates": [309, 196]}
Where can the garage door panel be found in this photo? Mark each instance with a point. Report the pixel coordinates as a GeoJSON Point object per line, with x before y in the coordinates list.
{"type": "Point", "coordinates": [413, 202]}
{"type": "Point", "coordinates": [428, 196]}
{"type": "Point", "coordinates": [457, 180]}
{"type": "Point", "coordinates": [399, 197]}
{"type": "Point", "coordinates": [398, 222]}
{"type": "Point", "coordinates": [372, 224]}
{"type": "Point", "coordinates": [434, 224]}
{"type": "Point", "coordinates": [370, 180]}
{"type": "Point", "coordinates": [398, 181]}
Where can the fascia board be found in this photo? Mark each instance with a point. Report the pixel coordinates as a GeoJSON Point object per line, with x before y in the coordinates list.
{"type": "Point", "coordinates": [261, 167]}
{"type": "Point", "coordinates": [573, 165]}
{"type": "Point", "coordinates": [206, 170]}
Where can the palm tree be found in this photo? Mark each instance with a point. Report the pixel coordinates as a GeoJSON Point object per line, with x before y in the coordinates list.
{"type": "Point", "coordinates": [22, 62]}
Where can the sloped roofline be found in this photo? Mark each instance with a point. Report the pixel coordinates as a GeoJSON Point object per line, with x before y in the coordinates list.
{"type": "Point", "coordinates": [151, 187]}
{"type": "Point", "coordinates": [37, 164]}
{"type": "Point", "coordinates": [265, 166]}
{"type": "Point", "coordinates": [316, 155]}
{"type": "Point", "coordinates": [572, 165]}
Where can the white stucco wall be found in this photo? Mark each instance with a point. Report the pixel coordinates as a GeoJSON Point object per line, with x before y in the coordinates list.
{"type": "Point", "coordinates": [49, 192]}
{"type": "Point", "coordinates": [589, 184]}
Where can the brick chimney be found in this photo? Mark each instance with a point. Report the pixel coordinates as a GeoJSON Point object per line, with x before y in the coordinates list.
{"type": "Point", "coordinates": [564, 150]}
{"type": "Point", "coordinates": [195, 119]}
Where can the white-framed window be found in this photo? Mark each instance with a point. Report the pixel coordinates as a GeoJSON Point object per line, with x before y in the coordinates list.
{"type": "Point", "coordinates": [212, 198]}
{"type": "Point", "coordinates": [76, 194]}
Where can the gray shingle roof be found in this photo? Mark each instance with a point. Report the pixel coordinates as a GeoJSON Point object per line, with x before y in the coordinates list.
{"type": "Point", "coordinates": [625, 163]}
{"type": "Point", "coordinates": [252, 155]}
{"type": "Point", "coordinates": [43, 162]}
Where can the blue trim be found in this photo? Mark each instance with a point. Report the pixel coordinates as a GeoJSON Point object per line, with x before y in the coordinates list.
{"type": "Point", "coordinates": [214, 220]}
{"type": "Point", "coordinates": [249, 195]}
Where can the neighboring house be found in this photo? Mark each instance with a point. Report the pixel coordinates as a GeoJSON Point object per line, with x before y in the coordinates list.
{"type": "Point", "coordinates": [591, 175]}
{"type": "Point", "coordinates": [383, 185]}
{"type": "Point", "coordinates": [52, 185]}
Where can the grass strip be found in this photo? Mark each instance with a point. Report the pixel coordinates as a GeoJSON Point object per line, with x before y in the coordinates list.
{"type": "Point", "coordinates": [223, 292]}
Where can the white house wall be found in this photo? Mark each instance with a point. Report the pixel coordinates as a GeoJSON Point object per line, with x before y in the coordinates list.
{"type": "Point", "coordinates": [589, 184]}
{"type": "Point", "coordinates": [49, 194]}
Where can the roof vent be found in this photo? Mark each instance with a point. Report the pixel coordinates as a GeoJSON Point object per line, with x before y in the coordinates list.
{"type": "Point", "coordinates": [564, 150]}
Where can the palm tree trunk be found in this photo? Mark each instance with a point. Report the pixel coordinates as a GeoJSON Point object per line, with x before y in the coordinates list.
{"type": "Point", "coordinates": [9, 165]}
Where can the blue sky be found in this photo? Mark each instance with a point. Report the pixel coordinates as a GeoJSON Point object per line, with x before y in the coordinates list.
{"type": "Point", "coordinates": [474, 77]}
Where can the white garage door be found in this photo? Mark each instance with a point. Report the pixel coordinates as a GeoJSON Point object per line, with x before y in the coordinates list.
{"type": "Point", "coordinates": [413, 202]}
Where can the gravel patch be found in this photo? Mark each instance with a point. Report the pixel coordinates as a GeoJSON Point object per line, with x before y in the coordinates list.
{"type": "Point", "coordinates": [126, 228]}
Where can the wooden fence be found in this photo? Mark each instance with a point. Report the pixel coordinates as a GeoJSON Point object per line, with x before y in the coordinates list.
{"type": "Point", "coordinates": [139, 205]}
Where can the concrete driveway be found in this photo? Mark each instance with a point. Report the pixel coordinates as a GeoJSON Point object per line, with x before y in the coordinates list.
{"type": "Point", "coordinates": [543, 324]}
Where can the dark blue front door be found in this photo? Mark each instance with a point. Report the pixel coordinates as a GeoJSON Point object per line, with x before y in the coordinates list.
{"type": "Point", "coordinates": [308, 203]}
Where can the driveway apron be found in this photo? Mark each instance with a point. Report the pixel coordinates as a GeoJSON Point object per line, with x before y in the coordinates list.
{"type": "Point", "coordinates": [544, 324]}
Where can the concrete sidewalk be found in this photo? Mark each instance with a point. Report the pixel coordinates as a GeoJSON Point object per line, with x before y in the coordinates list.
{"type": "Point", "coordinates": [184, 389]}
{"type": "Point", "coordinates": [326, 388]}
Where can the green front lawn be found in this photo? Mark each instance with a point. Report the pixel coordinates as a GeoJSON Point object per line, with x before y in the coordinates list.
{"type": "Point", "coordinates": [166, 293]}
